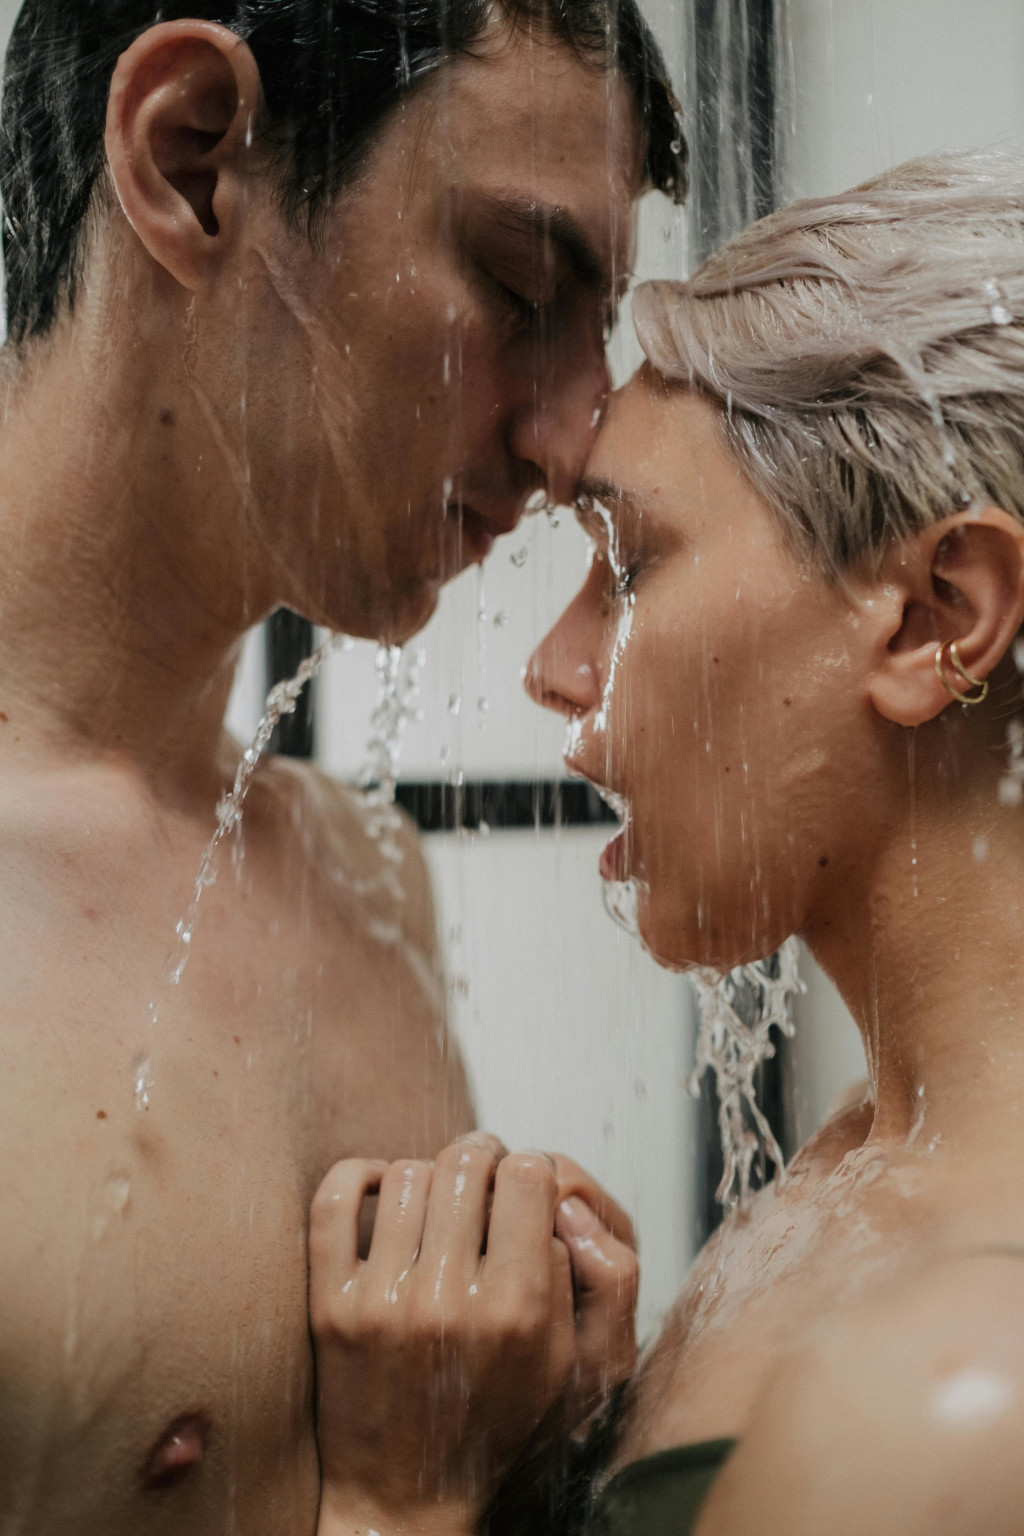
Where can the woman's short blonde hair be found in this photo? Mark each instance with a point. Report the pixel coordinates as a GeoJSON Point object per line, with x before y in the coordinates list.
{"type": "Point", "coordinates": [867, 351]}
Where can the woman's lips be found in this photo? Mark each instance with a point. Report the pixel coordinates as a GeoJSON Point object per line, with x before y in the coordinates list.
{"type": "Point", "coordinates": [613, 856]}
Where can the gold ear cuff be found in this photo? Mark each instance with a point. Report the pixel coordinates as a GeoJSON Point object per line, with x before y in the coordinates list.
{"type": "Point", "coordinates": [948, 656]}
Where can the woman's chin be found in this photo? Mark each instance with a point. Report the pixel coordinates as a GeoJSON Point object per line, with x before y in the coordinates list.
{"type": "Point", "coordinates": [677, 942]}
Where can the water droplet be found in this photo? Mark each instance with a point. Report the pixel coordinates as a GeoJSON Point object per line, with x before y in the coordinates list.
{"type": "Point", "coordinates": [980, 849]}
{"type": "Point", "coordinates": [520, 557]}
{"type": "Point", "coordinates": [1011, 793]}
{"type": "Point", "coordinates": [455, 703]}
{"type": "Point", "coordinates": [483, 704]}
{"type": "Point", "coordinates": [500, 619]}
{"type": "Point", "coordinates": [537, 501]}
{"type": "Point", "coordinates": [142, 1080]}
{"type": "Point", "coordinates": [998, 308]}
{"type": "Point", "coordinates": [116, 1192]}
{"type": "Point", "coordinates": [973, 1397]}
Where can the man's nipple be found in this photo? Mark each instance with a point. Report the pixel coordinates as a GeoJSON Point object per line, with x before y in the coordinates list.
{"type": "Point", "coordinates": [180, 1448]}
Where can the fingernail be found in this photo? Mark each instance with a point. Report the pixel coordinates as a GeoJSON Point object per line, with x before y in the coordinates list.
{"type": "Point", "coordinates": [544, 1156]}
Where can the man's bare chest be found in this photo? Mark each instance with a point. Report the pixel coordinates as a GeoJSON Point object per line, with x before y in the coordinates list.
{"type": "Point", "coordinates": [159, 1146]}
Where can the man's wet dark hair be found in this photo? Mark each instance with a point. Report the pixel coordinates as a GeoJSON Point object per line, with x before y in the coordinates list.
{"type": "Point", "coordinates": [330, 70]}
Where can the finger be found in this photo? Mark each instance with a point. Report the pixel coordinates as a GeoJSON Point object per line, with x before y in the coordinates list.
{"type": "Point", "coordinates": [606, 1276]}
{"type": "Point", "coordinates": [563, 1314]}
{"type": "Point", "coordinates": [334, 1224]}
{"type": "Point", "coordinates": [489, 1142]}
{"type": "Point", "coordinates": [398, 1230]}
{"type": "Point", "coordinates": [574, 1180]}
{"type": "Point", "coordinates": [522, 1221]}
{"type": "Point", "coordinates": [456, 1218]}
{"type": "Point", "coordinates": [602, 1265]}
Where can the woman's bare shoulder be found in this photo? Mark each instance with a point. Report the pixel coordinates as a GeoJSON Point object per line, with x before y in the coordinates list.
{"type": "Point", "coordinates": [903, 1413]}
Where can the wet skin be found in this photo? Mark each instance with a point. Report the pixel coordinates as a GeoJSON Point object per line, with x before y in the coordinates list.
{"type": "Point", "coordinates": [758, 728]}
{"type": "Point", "coordinates": [181, 456]}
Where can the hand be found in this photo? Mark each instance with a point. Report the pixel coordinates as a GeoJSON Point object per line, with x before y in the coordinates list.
{"type": "Point", "coordinates": [436, 1361]}
{"type": "Point", "coordinates": [606, 1276]}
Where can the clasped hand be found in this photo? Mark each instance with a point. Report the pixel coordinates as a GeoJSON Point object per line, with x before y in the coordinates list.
{"type": "Point", "coordinates": [496, 1305]}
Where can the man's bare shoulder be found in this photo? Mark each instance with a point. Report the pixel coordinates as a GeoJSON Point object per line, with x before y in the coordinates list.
{"type": "Point", "coordinates": [367, 852]}
{"type": "Point", "coordinates": [902, 1414]}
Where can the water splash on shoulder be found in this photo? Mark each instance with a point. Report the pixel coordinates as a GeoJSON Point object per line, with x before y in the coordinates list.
{"type": "Point", "coordinates": [281, 701]}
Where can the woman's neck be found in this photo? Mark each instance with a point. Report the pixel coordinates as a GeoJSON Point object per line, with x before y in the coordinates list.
{"type": "Point", "coordinates": [929, 956]}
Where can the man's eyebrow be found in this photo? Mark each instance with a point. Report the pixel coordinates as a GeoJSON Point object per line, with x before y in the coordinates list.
{"type": "Point", "coordinates": [555, 224]}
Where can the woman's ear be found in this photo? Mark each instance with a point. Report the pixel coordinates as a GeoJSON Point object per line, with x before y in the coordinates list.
{"type": "Point", "coordinates": [959, 579]}
{"type": "Point", "coordinates": [180, 121]}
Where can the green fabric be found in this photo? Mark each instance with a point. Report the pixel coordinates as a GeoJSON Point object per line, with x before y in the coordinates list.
{"type": "Point", "coordinates": [661, 1495]}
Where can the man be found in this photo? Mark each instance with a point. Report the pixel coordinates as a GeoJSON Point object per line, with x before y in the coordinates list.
{"type": "Point", "coordinates": [305, 301]}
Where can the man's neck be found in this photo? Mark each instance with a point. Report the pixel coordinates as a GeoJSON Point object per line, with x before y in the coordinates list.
{"type": "Point", "coordinates": [929, 955]}
{"type": "Point", "coordinates": [122, 596]}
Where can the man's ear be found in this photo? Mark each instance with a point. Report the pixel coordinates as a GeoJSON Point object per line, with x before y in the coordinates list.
{"type": "Point", "coordinates": [180, 120]}
{"type": "Point", "coordinates": [959, 579]}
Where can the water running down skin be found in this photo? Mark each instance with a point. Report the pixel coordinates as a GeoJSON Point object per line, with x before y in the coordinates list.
{"type": "Point", "coordinates": [859, 1331]}
{"type": "Point", "coordinates": [155, 1360]}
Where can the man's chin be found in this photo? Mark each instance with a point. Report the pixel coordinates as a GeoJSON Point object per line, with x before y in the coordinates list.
{"type": "Point", "coordinates": [389, 618]}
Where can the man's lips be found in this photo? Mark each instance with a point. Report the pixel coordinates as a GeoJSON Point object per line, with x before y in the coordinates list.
{"type": "Point", "coordinates": [477, 533]}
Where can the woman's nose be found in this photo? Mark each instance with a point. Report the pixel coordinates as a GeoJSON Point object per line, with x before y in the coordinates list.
{"type": "Point", "coordinates": [560, 677]}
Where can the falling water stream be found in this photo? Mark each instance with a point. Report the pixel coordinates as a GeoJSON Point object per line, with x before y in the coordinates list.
{"type": "Point", "coordinates": [281, 701]}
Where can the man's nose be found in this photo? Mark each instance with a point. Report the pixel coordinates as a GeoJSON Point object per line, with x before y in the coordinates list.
{"type": "Point", "coordinates": [561, 675]}
{"type": "Point", "coordinates": [553, 433]}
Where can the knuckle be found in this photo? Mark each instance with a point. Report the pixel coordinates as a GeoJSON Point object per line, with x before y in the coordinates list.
{"type": "Point", "coordinates": [328, 1315]}
{"type": "Point", "coordinates": [523, 1302]}
{"type": "Point", "coordinates": [492, 1145]}
{"type": "Point", "coordinates": [530, 1171]}
{"type": "Point", "coordinates": [339, 1185]}
{"type": "Point", "coordinates": [425, 1321]}
{"type": "Point", "coordinates": [448, 1157]}
{"type": "Point", "coordinates": [404, 1176]}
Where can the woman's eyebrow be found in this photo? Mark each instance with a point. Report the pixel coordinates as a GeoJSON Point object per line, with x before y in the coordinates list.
{"type": "Point", "coordinates": [590, 490]}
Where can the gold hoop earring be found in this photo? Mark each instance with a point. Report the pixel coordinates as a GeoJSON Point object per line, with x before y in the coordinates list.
{"type": "Point", "coordinates": [949, 655]}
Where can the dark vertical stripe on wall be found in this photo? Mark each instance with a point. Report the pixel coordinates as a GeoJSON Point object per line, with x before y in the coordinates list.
{"type": "Point", "coordinates": [289, 642]}
{"type": "Point", "coordinates": [731, 121]}
{"type": "Point", "coordinates": [731, 118]}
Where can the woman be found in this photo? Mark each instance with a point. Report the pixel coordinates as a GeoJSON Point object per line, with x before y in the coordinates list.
{"type": "Point", "coordinates": [793, 659]}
